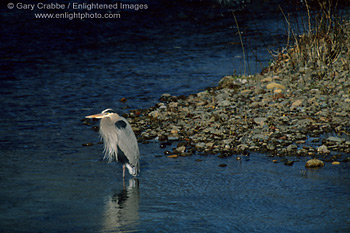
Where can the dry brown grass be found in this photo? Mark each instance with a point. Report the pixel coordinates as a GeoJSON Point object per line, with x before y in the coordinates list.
{"type": "Point", "coordinates": [325, 41]}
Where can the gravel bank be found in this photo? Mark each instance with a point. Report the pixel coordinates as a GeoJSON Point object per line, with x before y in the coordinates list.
{"type": "Point", "coordinates": [286, 110]}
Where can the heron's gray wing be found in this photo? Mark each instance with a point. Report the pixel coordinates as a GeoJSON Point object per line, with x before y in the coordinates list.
{"type": "Point", "coordinates": [121, 124]}
{"type": "Point", "coordinates": [127, 142]}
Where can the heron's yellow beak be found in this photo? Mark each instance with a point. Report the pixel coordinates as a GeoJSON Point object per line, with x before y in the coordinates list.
{"type": "Point", "coordinates": [98, 116]}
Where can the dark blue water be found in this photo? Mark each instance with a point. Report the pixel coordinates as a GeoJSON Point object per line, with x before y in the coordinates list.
{"type": "Point", "coordinates": [55, 72]}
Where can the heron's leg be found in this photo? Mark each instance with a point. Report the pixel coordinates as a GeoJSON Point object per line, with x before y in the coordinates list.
{"type": "Point", "coordinates": [123, 170]}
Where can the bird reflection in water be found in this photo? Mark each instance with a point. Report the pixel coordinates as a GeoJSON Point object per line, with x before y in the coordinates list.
{"type": "Point", "coordinates": [122, 208]}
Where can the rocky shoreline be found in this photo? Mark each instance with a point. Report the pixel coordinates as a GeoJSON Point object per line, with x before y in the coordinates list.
{"type": "Point", "coordinates": [265, 113]}
{"type": "Point", "coordinates": [286, 110]}
{"type": "Point", "coordinates": [298, 106]}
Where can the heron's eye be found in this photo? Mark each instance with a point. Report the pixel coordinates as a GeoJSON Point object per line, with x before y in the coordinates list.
{"type": "Point", "coordinates": [107, 111]}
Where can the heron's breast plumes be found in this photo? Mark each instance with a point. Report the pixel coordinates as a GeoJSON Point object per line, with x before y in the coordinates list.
{"type": "Point", "coordinates": [110, 139]}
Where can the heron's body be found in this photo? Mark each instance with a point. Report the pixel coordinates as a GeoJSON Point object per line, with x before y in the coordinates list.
{"type": "Point", "coordinates": [120, 143]}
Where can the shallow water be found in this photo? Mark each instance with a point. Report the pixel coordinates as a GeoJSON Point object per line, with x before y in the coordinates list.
{"type": "Point", "coordinates": [53, 73]}
{"type": "Point", "coordinates": [77, 192]}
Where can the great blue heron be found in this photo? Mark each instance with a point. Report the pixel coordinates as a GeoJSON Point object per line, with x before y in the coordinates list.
{"type": "Point", "coordinates": [120, 143]}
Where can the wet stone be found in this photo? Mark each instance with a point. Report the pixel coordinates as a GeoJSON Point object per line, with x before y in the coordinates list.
{"type": "Point", "coordinates": [288, 162]}
{"type": "Point", "coordinates": [167, 152]}
{"type": "Point", "coordinates": [336, 139]}
{"type": "Point", "coordinates": [323, 150]}
{"type": "Point", "coordinates": [292, 148]}
{"type": "Point", "coordinates": [88, 144]}
{"type": "Point", "coordinates": [312, 163]}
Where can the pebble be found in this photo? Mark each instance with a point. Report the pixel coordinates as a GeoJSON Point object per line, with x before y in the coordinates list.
{"type": "Point", "coordinates": [296, 104]}
{"type": "Point", "coordinates": [292, 148]}
{"type": "Point", "coordinates": [88, 144]}
{"type": "Point", "coordinates": [312, 163]}
{"type": "Point", "coordinates": [260, 120]}
{"type": "Point", "coordinates": [288, 162]}
{"type": "Point", "coordinates": [275, 85]}
{"type": "Point", "coordinates": [167, 152]}
{"type": "Point", "coordinates": [323, 150]}
{"type": "Point", "coordinates": [123, 100]}
{"type": "Point", "coordinates": [180, 149]}
{"type": "Point", "coordinates": [336, 139]}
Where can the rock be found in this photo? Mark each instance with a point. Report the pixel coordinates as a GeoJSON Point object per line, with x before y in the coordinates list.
{"type": "Point", "coordinates": [222, 96]}
{"type": "Point", "coordinates": [296, 103]}
{"type": "Point", "coordinates": [314, 163]}
{"type": "Point", "coordinates": [88, 144]}
{"type": "Point", "coordinates": [245, 91]}
{"type": "Point", "coordinates": [173, 138]}
{"type": "Point", "coordinates": [259, 90]}
{"type": "Point", "coordinates": [123, 100]}
{"type": "Point", "coordinates": [271, 146]}
{"type": "Point", "coordinates": [242, 147]}
{"type": "Point", "coordinates": [173, 105]}
{"type": "Point", "coordinates": [209, 145]}
{"type": "Point", "coordinates": [323, 150]}
{"type": "Point", "coordinates": [336, 139]}
{"type": "Point", "coordinates": [167, 152]}
{"type": "Point", "coordinates": [163, 138]}
{"type": "Point", "coordinates": [224, 103]}
{"type": "Point", "coordinates": [275, 85]}
{"type": "Point", "coordinates": [180, 149]}
{"type": "Point", "coordinates": [267, 80]}
{"type": "Point", "coordinates": [259, 137]}
{"type": "Point", "coordinates": [302, 152]}
{"type": "Point", "coordinates": [230, 82]}
{"type": "Point", "coordinates": [174, 132]}
{"type": "Point", "coordinates": [166, 95]}
{"type": "Point", "coordinates": [292, 148]}
{"type": "Point", "coordinates": [288, 162]}
{"type": "Point", "coordinates": [200, 146]}
{"type": "Point", "coordinates": [260, 120]}
{"type": "Point", "coordinates": [346, 160]}
{"type": "Point", "coordinates": [154, 114]}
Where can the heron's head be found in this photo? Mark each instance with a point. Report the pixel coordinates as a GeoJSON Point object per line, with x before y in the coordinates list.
{"type": "Point", "coordinates": [107, 113]}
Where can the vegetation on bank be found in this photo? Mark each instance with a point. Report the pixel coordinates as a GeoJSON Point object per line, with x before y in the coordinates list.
{"type": "Point", "coordinates": [325, 41]}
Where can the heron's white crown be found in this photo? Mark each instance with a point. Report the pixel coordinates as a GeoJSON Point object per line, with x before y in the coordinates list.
{"type": "Point", "coordinates": [108, 111]}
